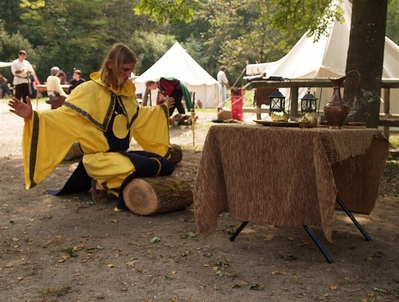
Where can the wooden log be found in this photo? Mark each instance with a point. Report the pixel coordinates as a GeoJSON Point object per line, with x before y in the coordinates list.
{"type": "Point", "coordinates": [163, 194]}
{"type": "Point", "coordinates": [74, 152]}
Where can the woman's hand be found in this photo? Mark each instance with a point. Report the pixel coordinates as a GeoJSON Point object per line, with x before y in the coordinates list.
{"type": "Point", "coordinates": [21, 109]}
{"type": "Point", "coordinates": [169, 101]}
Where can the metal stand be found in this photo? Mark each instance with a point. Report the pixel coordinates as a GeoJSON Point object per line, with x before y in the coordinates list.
{"type": "Point", "coordinates": [238, 231]}
{"type": "Point", "coordinates": [357, 224]}
{"type": "Point", "coordinates": [312, 235]}
{"type": "Point", "coordinates": [318, 243]}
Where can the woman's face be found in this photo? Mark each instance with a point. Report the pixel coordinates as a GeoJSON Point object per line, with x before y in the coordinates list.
{"type": "Point", "coordinates": [125, 71]}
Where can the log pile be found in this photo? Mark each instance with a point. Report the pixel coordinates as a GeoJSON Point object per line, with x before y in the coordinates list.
{"type": "Point", "coordinates": [182, 119]}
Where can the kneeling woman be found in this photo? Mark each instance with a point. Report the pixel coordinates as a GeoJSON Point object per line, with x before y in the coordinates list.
{"type": "Point", "coordinates": [103, 116]}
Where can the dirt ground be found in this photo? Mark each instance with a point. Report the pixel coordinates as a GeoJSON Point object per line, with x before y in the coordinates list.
{"type": "Point", "coordinates": [71, 249]}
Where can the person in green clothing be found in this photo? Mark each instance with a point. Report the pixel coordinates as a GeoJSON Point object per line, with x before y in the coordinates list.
{"type": "Point", "coordinates": [172, 88]}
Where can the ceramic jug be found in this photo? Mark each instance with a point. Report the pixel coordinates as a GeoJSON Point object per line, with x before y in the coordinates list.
{"type": "Point", "coordinates": [336, 111]}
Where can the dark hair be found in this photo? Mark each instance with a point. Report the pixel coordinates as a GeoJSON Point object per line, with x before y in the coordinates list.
{"type": "Point", "coordinates": [119, 54]}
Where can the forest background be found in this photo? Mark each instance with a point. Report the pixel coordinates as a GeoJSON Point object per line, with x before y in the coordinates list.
{"type": "Point", "coordinates": [78, 33]}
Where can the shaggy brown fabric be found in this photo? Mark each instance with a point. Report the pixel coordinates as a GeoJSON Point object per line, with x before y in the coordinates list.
{"type": "Point", "coordinates": [287, 176]}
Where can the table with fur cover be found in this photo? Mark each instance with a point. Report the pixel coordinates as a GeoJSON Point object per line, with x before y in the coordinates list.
{"type": "Point", "coordinates": [287, 176]}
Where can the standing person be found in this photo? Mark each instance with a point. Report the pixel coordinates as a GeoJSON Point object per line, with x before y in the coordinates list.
{"type": "Point", "coordinates": [103, 116]}
{"type": "Point", "coordinates": [76, 80]}
{"type": "Point", "coordinates": [33, 81]}
{"type": "Point", "coordinates": [172, 88]}
{"type": "Point", "coordinates": [223, 83]}
{"type": "Point", "coordinates": [5, 89]}
{"type": "Point", "coordinates": [21, 69]}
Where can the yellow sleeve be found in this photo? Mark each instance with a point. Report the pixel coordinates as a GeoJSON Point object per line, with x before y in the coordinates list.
{"type": "Point", "coordinates": [47, 138]}
{"type": "Point", "coordinates": [151, 129]}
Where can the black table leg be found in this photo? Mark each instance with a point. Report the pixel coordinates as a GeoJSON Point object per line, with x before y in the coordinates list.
{"type": "Point", "coordinates": [357, 224]}
{"type": "Point", "coordinates": [235, 234]}
{"type": "Point", "coordinates": [318, 243]}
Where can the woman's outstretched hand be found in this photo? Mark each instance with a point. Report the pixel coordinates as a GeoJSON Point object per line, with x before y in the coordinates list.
{"type": "Point", "coordinates": [21, 109]}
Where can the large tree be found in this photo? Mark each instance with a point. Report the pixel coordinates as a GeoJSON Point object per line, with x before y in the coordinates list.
{"type": "Point", "coordinates": [366, 55]}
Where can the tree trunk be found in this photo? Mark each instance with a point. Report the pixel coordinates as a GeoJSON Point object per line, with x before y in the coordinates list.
{"type": "Point", "coordinates": [149, 196]}
{"type": "Point", "coordinates": [366, 55]}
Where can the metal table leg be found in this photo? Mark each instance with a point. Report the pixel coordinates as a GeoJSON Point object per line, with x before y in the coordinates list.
{"type": "Point", "coordinates": [318, 243]}
{"type": "Point", "coordinates": [357, 224]}
{"type": "Point", "coordinates": [307, 228]}
{"type": "Point", "coordinates": [235, 234]}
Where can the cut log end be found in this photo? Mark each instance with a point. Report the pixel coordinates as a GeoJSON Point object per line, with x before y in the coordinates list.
{"type": "Point", "coordinates": [149, 196]}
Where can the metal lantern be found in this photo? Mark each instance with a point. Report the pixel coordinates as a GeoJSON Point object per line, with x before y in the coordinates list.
{"type": "Point", "coordinates": [309, 103]}
{"type": "Point", "coordinates": [309, 106]}
{"type": "Point", "coordinates": [277, 101]}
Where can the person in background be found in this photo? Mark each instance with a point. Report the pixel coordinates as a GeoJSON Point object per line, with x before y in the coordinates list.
{"type": "Point", "coordinates": [63, 77]}
{"type": "Point", "coordinates": [5, 88]}
{"type": "Point", "coordinates": [53, 83]}
{"type": "Point", "coordinates": [172, 88]}
{"type": "Point", "coordinates": [76, 80]}
{"type": "Point", "coordinates": [223, 84]}
{"type": "Point", "coordinates": [21, 69]}
{"type": "Point", "coordinates": [33, 81]}
{"type": "Point", "coordinates": [103, 116]}
{"type": "Point", "coordinates": [55, 92]}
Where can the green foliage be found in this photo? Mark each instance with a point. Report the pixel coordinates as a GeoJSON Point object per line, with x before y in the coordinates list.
{"type": "Point", "coordinates": [164, 11]}
{"type": "Point", "coordinates": [314, 16]}
{"type": "Point", "coordinates": [240, 32]}
{"type": "Point", "coordinates": [149, 47]}
{"type": "Point", "coordinates": [10, 13]}
{"type": "Point", "coordinates": [394, 141]}
{"type": "Point", "coordinates": [10, 44]}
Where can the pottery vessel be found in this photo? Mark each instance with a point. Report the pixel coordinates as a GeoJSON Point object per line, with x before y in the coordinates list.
{"type": "Point", "coordinates": [309, 120]}
{"type": "Point", "coordinates": [336, 111]}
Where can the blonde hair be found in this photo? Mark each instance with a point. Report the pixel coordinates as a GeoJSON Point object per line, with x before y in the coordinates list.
{"type": "Point", "coordinates": [149, 83]}
{"type": "Point", "coordinates": [119, 55]}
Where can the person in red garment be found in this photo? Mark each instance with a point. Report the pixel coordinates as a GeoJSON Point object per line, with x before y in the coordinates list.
{"type": "Point", "coordinates": [172, 88]}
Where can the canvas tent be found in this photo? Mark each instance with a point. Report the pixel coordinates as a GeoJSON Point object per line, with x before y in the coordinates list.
{"type": "Point", "coordinates": [326, 58]}
{"type": "Point", "coordinates": [177, 63]}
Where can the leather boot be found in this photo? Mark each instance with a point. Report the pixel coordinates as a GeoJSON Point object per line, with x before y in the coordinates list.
{"type": "Point", "coordinates": [98, 195]}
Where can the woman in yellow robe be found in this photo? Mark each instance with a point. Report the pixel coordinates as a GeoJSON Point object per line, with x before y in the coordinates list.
{"type": "Point", "coordinates": [103, 116]}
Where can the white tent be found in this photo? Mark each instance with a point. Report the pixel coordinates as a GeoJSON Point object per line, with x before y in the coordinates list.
{"type": "Point", "coordinates": [177, 63]}
{"type": "Point", "coordinates": [326, 58]}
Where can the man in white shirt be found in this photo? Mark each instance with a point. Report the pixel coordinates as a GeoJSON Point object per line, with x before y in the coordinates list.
{"type": "Point", "coordinates": [223, 84]}
{"type": "Point", "coordinates": [21, 69]}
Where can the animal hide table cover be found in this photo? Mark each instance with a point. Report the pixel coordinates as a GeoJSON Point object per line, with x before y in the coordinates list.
{"type": "Point", "coordinates": [287, 176]}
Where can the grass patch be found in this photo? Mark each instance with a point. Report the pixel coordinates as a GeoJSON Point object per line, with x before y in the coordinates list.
{"type": "Point", "coordinates": [394, 141]}
{"type": "Point", "coordinates": [57, 292]}
{"type": "Point", "coordinates": [69, 251]}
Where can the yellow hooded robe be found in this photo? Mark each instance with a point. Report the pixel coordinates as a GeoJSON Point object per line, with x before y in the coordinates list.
{"type": "Point", "coordinates": [85, 117]}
